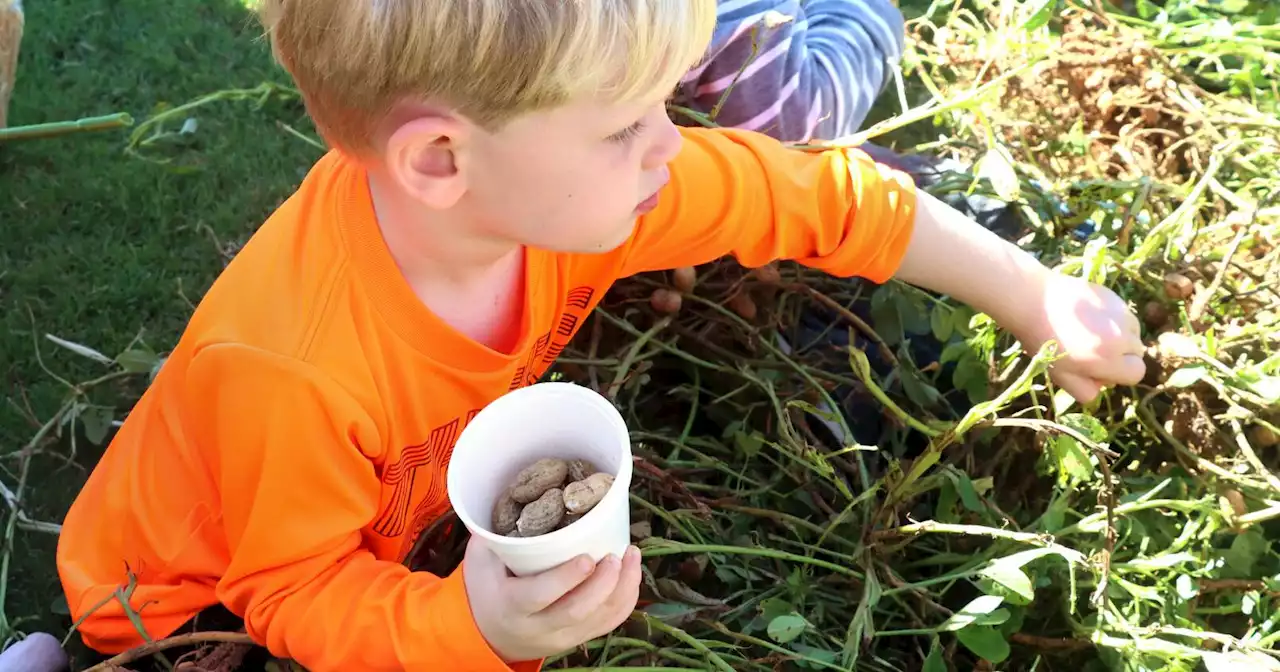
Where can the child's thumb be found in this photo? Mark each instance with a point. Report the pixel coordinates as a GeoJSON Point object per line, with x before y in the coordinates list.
{"type": "Point", "coordinates": [481, 567]}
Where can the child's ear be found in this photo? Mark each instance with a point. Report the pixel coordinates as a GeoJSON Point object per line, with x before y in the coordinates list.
{"type": "Point", "coordinates": [422, 157]}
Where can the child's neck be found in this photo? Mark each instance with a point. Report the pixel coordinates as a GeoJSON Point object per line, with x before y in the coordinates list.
{"type": "Point", "coordinates": [473, 283]}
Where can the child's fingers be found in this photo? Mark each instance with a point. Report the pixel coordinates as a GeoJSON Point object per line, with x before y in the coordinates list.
{"type": "Point", "coordinates": [1126, 367]}
{"type": "Point", "coordinates": [581, 607]}
{"type": "Point", "coordinates": [1133, 368]}
{"type": "Point", "coordinates": [1083, 389]}
{"type": "Point", "coordinates": [625, 595]}
{"type": "Point", "coordinates": [532, 594]}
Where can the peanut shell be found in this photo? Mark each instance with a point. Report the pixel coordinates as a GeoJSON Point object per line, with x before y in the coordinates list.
{"type": "Point", "coordinates": [569, 519]}
{"type": "Point", "coordinates": [537, 478]}
{"type": "Point", "coordinates": [542, 515]}
{"type": "Point", "coordinates": [581, 496]}
{"type": "Point", "coordinates": [580, 469]}
{"type": "Point", "coordinates": [505, 514]}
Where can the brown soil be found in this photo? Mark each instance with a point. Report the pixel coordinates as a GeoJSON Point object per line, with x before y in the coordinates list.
{"type": "Point", "coordinates": [1103, 87]}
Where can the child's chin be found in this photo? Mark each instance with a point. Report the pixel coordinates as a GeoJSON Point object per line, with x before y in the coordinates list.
{"type": "Point", "coordinates": [604, 244]}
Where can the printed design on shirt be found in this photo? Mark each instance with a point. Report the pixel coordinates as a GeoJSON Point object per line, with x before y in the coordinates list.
{"type": "Point", "coordinates": [568, 324]}
{"type": "Point", "coordinates": [552, 344]}
{"type": "Point", "coordinates": [527, 374]}
{"type": "Point", "coordinates": [401, 476]}
{"type": "Point", "coordinates": [436, 500]}
{"type": "Point", "coordinates": [580, 298]}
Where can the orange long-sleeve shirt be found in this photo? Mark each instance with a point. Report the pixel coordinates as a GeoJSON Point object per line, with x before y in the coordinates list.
{"type": "Point", "coordinates": [295, 443]}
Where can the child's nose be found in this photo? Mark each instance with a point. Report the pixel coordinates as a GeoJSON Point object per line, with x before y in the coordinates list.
{"type": "Point", "coordinates": [666, 144]}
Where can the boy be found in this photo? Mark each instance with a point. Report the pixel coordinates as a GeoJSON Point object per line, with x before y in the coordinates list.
{"type": "Point", "coordinates": [498, 164]}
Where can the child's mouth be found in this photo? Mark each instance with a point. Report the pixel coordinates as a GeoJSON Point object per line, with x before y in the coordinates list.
{"type": "Point", "coordinates": [648, 204]}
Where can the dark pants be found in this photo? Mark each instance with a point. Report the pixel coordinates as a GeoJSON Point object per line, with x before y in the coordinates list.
{"type": "Point", "coordinates": [213, 619]}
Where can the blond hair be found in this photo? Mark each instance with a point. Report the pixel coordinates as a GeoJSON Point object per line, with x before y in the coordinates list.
{"type": "Point", "coordinates": [490, 60]}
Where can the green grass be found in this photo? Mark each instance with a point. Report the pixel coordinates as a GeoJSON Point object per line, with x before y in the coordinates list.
{"type": "Point", "coordinates": [99, 246]}
{"type": "Point", "coordinates": [1136, 534]}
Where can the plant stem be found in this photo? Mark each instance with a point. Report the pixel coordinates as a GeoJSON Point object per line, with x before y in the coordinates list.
{"type": "Point", "coordinates": [49, 130]}
{"type": "Point", "coordinates": [665, 547]}
{"type": "Point", "coordinates": [712, 657]}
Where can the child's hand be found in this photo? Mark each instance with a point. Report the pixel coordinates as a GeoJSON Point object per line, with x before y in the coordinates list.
{"type": "Point", "coordinates": [1097, 334]}
{"type": "Point", "coordinates": [532, 617]}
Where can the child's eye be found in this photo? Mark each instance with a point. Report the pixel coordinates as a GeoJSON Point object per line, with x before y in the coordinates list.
{"type": "Point", "coordinates": [627, 133]}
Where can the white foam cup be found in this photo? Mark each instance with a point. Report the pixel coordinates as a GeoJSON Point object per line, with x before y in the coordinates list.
{"type": "Point", "coordinates": [559, 420]}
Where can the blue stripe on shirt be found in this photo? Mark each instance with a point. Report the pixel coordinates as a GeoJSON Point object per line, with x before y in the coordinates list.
{"type": "Point", "coordinates": [836, 62]}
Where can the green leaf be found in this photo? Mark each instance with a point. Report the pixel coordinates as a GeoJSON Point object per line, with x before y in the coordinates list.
{"type": "Point", "coordinates": [1089, 426]}
{"type": "Point", "coordinates": [1246, 549]}
{"type": "Point", "coordinates": [961, 318]}
{"type": "Point", "coordinates": [1072, 459]}
{"type": "Point", "coordinates": [137, 361]}
{"type": "Point", "coordinates": [968, 495]}
{"type": "Point", "coordinates": [1021, 558]}
{"type": "Point", "coordinates": [971, 376]}
{"type": "Point", "coordinates": [945, 510]}
{"type": "Point", "coordinates": [918, 390]}
{"type": "Point", "coordinates": [748, 444]}
{"type": "Point", "coordinates": [935, 663]}
{"type": "Point", "coordinates": [787, 627]}
{"type": "Point", "coordinates": [775, 607]}
{"type": "Point", "coordinates": [1166, 561]}
{"type": "Point", "coordinates": [1010, 577]}
{"type": "Point", "coordinates": [1055, 517]}
{"type": "Point", "coordinates": [813, 653]}
{"type": "Point", "coordinates": [1014, 624]}
{"type": "Point", "coordinates": [1187, 376]}
{"type": "Point", "coordinates": [97, 423]}
{"type": "Point", "coordinates": [953, 352]}
{"type": "Point", "coordinates": [885, 318]}
{"type": "Point", "coordinates": [985, 642]}
{"type": "Point", "coordinates": [862, 628]}
{"type": "Point", "coordinates": [940, 322]}
{"type": "Point", "coordinates": [915, 316]}
{"type": "Point", "coordinates": [672, 613]}
{"type": "Point", "coordinates": [59, 606]}
{"type": "Point", "coordinates": [971, 612]}
{"type": "Point", "coordinates": [1147, 10]}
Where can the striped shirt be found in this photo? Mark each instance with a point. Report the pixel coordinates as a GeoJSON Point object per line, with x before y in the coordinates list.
{"type": "Point", "coordinates": [817, 67]}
